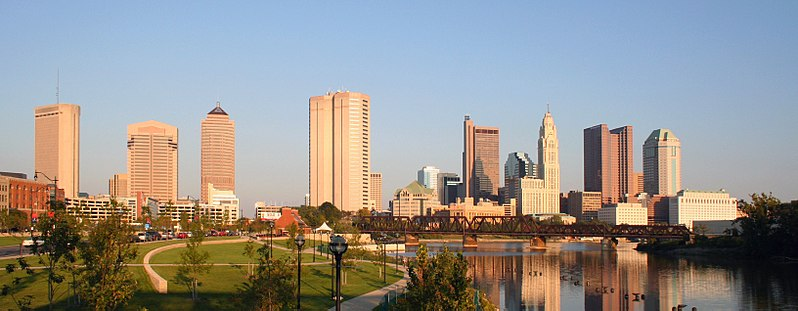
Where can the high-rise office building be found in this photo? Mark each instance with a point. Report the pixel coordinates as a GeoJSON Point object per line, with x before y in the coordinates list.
{"type": "Point", "coordinates": [480, 161]}
{"type": "Point", "coordinates": [542, 195]}
{"type": "Point", "coordinates": [218, 148]}
{"type": "Point", "coordinates": [117, 186]}
{"type": "Point", "coordinates": [152, 160]}
{"type": "Point", "coordinates": [662, 163]}
{"type": "Point", "coordinates": [57, 145]}
{"type": "Point", "coordinates": [428, 176]}
{"type": "Point", "coordinates": [609, 162]}
{"type": "Point", "coordinates": [516, 167]}
{"type": "Point", "coordinates": [375, 191]}
{"type": "Point", "coordinates": [340, 150]}
{"type": "Point", "coordinates": [449, 187]}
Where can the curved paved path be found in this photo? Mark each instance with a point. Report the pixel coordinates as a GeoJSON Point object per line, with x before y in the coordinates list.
{"type": "Point", "coordinates": [158, 282]}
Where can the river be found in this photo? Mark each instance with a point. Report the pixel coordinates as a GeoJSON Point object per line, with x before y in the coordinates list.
{"type": "Point", "coordinates": [582, 276]}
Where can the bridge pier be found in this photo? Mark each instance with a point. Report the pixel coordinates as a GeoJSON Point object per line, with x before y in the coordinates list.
{"type": "Point", "coordinates": [537, 243]}
{"type": "Point", "coordinates": [470, 241]}
{"type": "Point", "coordinates": [411, 240]}
{"type": "Point", "coordinates": [609, 244]}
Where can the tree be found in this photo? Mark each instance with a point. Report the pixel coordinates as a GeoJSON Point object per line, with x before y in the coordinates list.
{"type": "Point", "coordinates": [757, 223]}
{"type": "Point", "coordinates": [292, 229]}
{"type": "Point", "coordinates": [439, 283]}
{"type": "Point", "coordinates": [330, 212]}
{"type": "Point", "coordinates": [363, 212]}
{"type": "Point", "coordinates": [12, 219]}
{"type": "Point", "coordinates": [107, 283]}
{"type": "Point", "coordinates": [272, 287]}
{"type": "Point", "coordinates": [769, 227]}
{"type": "Point", "coordinates": [193, 261]}
{"type": "Point", "coordinates": [250, 252]}
{"type": "Point", "coordinates": [311, 215]}
{"type": "Point", "coordinates": [61, 234]}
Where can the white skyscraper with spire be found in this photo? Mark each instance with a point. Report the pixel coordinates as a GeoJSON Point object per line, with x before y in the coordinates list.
{"type": "Point", "coordinates": [541, 195]}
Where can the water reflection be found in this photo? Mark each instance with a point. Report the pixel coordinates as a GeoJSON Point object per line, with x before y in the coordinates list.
{"type": "Point", "coordinates": [580, 276]}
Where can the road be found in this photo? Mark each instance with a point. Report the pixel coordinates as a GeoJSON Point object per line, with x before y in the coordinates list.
{"type": "Point", "coordinates": [13, 250]}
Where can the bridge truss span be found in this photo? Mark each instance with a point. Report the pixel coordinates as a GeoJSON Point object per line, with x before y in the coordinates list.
{"type": "Point", "coordinates": [511, 226]}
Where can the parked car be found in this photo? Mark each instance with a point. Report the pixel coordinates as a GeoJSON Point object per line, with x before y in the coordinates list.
{"type": "Point", "coordinates": [142, 236]}
{"type": "Point", "coordinates": [168, 235]}
{"type": "Point", "coordinates": [30, 241]}
{"type": "Point", "coordinates": [154, 236]}
{"type": "Point", "coordinates": [182, 235]}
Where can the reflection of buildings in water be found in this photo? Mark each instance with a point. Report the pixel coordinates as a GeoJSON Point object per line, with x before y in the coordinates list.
{"type": "Point", "coordinates": [496, 277]}
{"type": "Point", "coordinates": [540, 285]}
{"type": "Point", "coordinates": [535, 279]}
{"type": "Point", "coordinates": [663, 285]}
{"type": "Point", "coordinates": [607, 278]}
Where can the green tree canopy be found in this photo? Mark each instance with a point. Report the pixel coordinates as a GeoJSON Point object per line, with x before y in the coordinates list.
{"type": "Point", "coordinates": [107, 283]}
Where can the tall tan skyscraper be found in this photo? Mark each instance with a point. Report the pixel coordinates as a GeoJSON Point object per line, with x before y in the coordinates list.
{"type": "Point", "coordinates": [218, 141]}
{"type": "Point", "coordinates": [57, 146]}
{"type": "Point", "coordinates": [609, 162]}
{"type": "Point", "coordinates": [117, 185]}
{"type": "Point", "coordinates": [375, 191]}
{"type": "Point", "coordinates": [152, 160]}
{"type": "Point", "coordinates": [340, 150]}
{"type": "Point", "coordinates": [662, 163]}
{"type": "Point", "coordinates": [480, 161]}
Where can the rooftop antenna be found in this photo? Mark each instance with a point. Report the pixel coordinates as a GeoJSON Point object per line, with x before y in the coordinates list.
{"type": "Point", "coordinates": [548, 109]}
{"type": "Point", "coordinates": [58, 86]}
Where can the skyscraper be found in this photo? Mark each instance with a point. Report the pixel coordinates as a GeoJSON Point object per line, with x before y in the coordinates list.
{"type": "Point", "coordinates": [480, 161]}
{"type": "Point", "coordinates": [662, 163]}
{"type": "Point", "coordinates": [218, 150]}
{"type": "Point", "coordinates": [57, 145]}
{"type": "Point", "coordinates": [541, 195]}
{"type": "Point", "coordinates": [609, 162]}
{"type": "Point", "coordinates": [117, 185]}
{"type": "Point", "coordinates": [375, 191]}
{"type": "Point", "coordinates": [516, 167]}
{"type": "Point", "coordinates": [449, 185]}
{"type": "Point", "coordinates": [428, 177]}
{"type": "Point", "coordinates": [152, 160]}
{"type": "Point", "coordinates": [340, 150]}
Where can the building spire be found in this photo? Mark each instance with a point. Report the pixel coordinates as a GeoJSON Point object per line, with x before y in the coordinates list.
{"type": "Point", "coordinates": [58, 86]}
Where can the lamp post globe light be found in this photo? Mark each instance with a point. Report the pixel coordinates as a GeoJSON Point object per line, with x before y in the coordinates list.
{"type": "Point", "coordinates": [338, 247]}
{"type": "Point", "coordinates": [299, 240]}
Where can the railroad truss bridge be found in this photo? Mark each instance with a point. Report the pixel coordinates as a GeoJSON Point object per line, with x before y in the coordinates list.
{"type": "Point", "coordinates": [513, 226]}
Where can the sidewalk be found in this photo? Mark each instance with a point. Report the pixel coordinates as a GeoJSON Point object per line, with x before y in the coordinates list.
{"type": "Point", "coordinates": [371, 300]}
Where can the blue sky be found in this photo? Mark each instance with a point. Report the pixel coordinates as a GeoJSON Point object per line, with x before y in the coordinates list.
{"type": "Point", "coordinates": [722, 75]}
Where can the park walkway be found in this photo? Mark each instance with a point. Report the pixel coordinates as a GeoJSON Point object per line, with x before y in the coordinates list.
{"type": "Point", "coordinates": [160, 284]}
{"type": "Point", "coordinates": [371, 300]}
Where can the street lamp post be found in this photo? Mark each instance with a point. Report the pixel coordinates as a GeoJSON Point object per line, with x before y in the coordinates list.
{"type": "Point", "coordinates": [314, 245]}
{"type": "Point", "coordinates": [338, 247]}
{"type": "Point", "coordinates": [271, 230]}
{"type": "Point", "coordinates": [300, 241]}
{"type": "Point", "coordinates": [384, 253]}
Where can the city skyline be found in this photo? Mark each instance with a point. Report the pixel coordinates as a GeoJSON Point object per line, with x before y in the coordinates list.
{"type": "Point", "coordinates": [717, 82]}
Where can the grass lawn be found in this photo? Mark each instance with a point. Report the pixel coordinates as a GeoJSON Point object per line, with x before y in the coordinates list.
{"type": "Point", "coordinates": [11, 240]}
{"type": "Point", "coordinates": [217, 287]}
{"type": "Point", "coordinates": [145, 248]}
{"type": "Point", "coordinates": [225, 253]}
{"type": "Point", "coordinates": [216, 292]}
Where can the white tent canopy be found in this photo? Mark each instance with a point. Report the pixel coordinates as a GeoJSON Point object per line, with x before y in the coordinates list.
{"type": "Point", "coordinates": [324, 228]}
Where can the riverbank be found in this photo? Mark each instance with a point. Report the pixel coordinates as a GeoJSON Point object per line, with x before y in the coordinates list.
{"type": "Point", "coordinates": [726, 247]}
